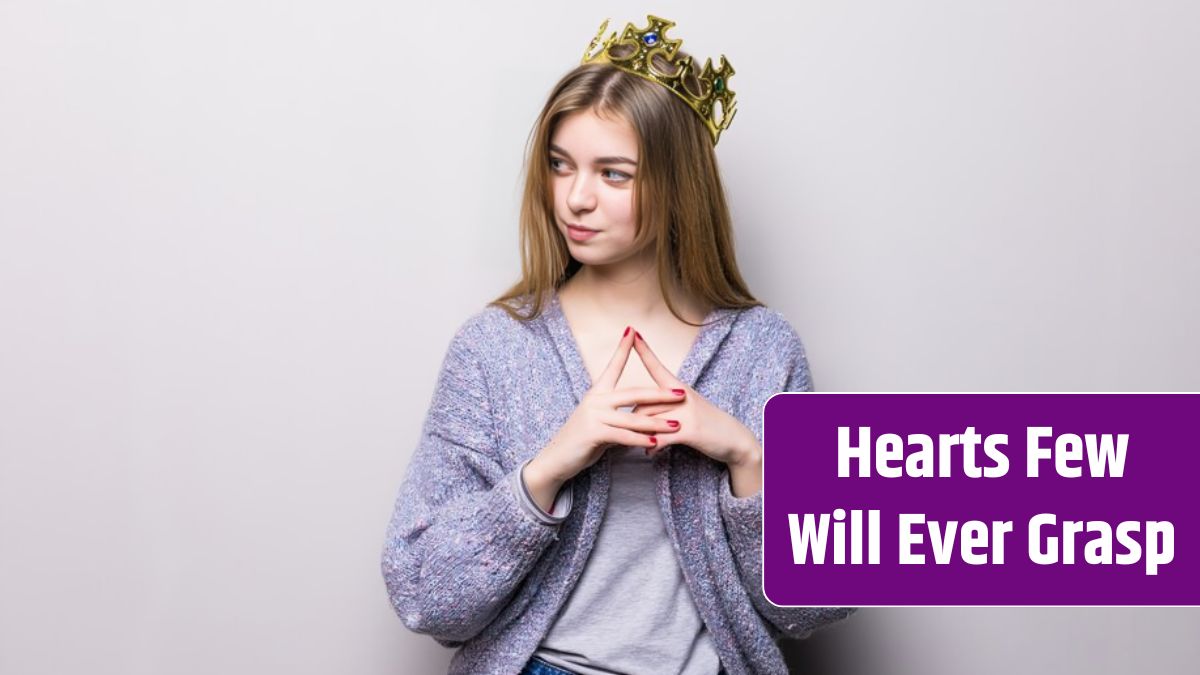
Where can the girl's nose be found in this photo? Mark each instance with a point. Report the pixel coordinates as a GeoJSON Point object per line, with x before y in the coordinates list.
{"type": "Point", "coordinates": [581, 196]}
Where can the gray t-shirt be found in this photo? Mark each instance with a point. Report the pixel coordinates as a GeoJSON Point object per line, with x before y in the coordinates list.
{"type": "Point", "coordinates": [631, 612]}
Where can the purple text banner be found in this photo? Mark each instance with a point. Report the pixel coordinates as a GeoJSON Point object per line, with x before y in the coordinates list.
{"type": "Point", "coordinates": [981, 499]}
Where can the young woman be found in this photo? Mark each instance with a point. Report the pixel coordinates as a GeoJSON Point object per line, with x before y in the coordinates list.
{"type": "Point", "coordinates": [571, 509]}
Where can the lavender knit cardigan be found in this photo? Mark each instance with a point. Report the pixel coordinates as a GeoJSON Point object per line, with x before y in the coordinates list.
{"type": "Point", "coordinates": [464, 563]}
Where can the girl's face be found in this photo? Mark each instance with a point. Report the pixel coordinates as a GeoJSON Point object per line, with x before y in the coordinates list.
{"type": "Point", "coordinates": [592, 165]}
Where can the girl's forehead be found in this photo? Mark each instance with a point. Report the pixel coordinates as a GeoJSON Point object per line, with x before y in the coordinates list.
{"type": "Point", "coordinates": [587, 133]}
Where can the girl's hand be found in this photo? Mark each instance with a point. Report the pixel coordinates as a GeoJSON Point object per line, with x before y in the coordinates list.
{"type": "Point", "coordinates": [702, 425]}
{"type": "Point", "coordinates": [597, 423]}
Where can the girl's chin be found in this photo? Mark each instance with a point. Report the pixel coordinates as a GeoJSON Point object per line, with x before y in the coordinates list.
{"type": "Point", "coordinates": [591, 254]}
{"type": "Point", "coordinates": [596, 259]}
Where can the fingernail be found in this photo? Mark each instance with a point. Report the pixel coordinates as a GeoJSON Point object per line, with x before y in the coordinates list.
{"type": "Point", "coordinates": [673, 423]}
{"type": "Point", "coordinates": [678, 392]}
{"type": "Point", "coordinates": [626, 331]}
{"type": "Point", "coordinates": [637, 334]}
{"type": "Point", "coordinates": [653, 440]}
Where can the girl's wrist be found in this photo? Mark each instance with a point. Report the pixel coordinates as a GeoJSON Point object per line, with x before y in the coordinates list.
{"type": "Point", "coordinates": [746, 454]}
{"type": "Point", "coordinates": [745, 477]}
{"type": "Point", "coordinates": [543, 485]}
{"type": "Point", "coordinates": [745, 470]}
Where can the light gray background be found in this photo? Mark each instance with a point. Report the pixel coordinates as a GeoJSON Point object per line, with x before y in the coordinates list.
{"type": "Point", "coordinates": [237, 236]}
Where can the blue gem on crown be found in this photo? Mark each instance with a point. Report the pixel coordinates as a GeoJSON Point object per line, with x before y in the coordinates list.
{"type": "Point", "coordinates": [706, 92]}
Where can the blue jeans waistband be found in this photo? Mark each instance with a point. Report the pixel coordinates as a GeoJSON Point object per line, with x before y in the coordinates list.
{"type": "Point", "coordinates": [537, 666]}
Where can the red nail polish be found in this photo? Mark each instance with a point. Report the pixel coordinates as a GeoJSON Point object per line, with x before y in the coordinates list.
{"type": "Point", "coordinates": [678, 392]}
{"type": "Point", "coordinates": [674, 424]}
{"type": "Point", "coordinates": [653, 440]}
{"type": "Point", "coordinates": [639, 335]}
{"type": "Point", "coordinates": [626, 331]}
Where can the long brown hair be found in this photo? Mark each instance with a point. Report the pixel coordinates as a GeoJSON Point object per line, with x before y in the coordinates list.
{"type": "Point", "coordinates": [679, 198]}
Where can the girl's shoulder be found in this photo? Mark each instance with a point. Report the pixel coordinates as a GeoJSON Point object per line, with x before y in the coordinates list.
{"type": "Point", "coordinates": [766, 332]}
{"type": "Point", "coordinates": [492, 327]}
{"type": "Point", "coordinates": [766, 323]}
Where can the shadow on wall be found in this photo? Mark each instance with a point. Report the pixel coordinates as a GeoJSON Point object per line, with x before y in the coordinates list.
{"type": "Point", "coordinates": [826, 652]}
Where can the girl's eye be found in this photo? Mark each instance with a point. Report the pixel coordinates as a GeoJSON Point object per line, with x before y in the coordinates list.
{"type": "Point", "coordinates": [617, 176]}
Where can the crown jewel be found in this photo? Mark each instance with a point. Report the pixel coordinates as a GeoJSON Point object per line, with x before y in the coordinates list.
{"type": "Point", "coordinates": [707, 93]}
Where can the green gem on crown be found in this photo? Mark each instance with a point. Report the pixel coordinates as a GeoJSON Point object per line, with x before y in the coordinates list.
{"type": "Point", "coordinates": [719, 84]}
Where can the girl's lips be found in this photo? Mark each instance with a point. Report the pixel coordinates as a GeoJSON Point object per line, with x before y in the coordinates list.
{"type": "Point", "coordinates": [580, 233]}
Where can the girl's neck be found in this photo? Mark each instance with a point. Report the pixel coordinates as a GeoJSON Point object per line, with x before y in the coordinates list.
{"type": "Point", "coordinates": [629, 289]}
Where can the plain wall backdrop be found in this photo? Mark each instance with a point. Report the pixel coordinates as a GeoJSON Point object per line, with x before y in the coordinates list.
{"type": "Point", "coordinates": [237, 236]}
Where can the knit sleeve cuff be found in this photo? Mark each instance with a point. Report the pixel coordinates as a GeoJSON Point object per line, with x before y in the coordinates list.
{"type": "Point", "coordinates": [742, 515]}
{"type": "Point", "coordinates": [562, 502]}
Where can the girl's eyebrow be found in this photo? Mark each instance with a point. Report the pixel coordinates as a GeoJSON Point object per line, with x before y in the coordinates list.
{"type": "Point", "coordinates": [599, 160]}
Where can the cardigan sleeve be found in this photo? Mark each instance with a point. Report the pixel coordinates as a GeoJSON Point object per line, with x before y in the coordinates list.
{"type": "Point", "coordinates": [458, 542]}
{"type": "Point", "coordinates": [743, 516]}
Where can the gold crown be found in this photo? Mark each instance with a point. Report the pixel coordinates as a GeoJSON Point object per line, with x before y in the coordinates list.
{"type": "Point", "coordinates": [707, 93]}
